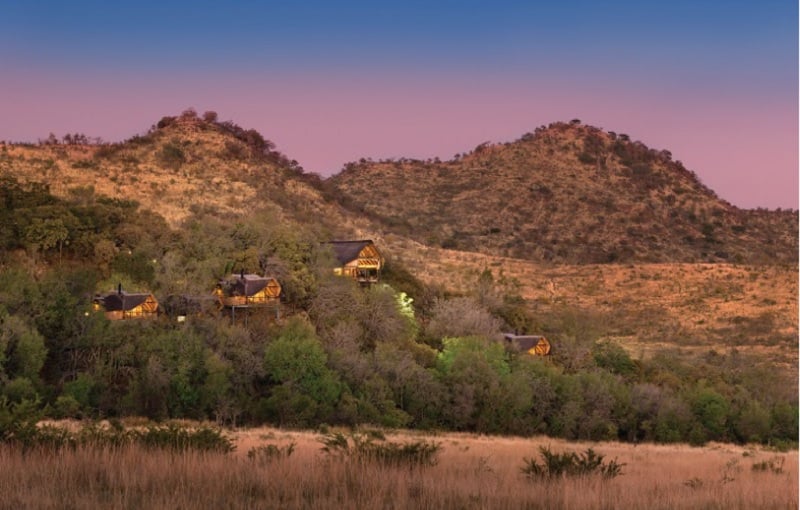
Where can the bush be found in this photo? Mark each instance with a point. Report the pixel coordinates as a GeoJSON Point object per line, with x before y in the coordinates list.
{"type": "Point", "coordinates": [66, 406]}
{"type": "Point", "coordinates": [559, 465]}
{"type": "Point", "coordinates": [367, 448]}
{"type": "Point", "coordinates": [773, 465]}
{"type": "Point", "coordinates": [18, 421]}
{"type": "Point", "coordinates": [266, 454]}
{"type": "Point", "coordinates": [18, 426]}
{"type": "Point", "coordinates": [171, 156]}
{"type": "Point", "coordinates": [173, 437]}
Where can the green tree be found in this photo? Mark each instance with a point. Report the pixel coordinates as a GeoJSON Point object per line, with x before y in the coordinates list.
{"type": "Point", "coordinates": [472, 368]}
{"type": "Point", "coordinates": [612, 357]}
{"type": "Point", "coordinates": [305, 388]}
{"type": "Point", "coordinates": [45, 234]}
{"type": "Point", "coordinates": [711, 411]}
{"type": "Point", "coordinates": [22, 349]}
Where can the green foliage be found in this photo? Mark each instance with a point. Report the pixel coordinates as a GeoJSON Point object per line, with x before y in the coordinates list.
{"type": "Point", "coordinates": [18, 421]}
{"type": "Point", "coordinates": [45, 234]}
{"type": "Point", "coordinates": [306, 390]}
{"type": "Point", "coordinates": [453, 348]}
{"type": "Point", "coordinates": [570, 464]}
{"type": "Point", "coordinates": [80, 392]}
{"type": "Point", "coordinates": [66, 406]}
{"type": "Point", "coordinates": [22, 348]}
{"type": "Point", "coordinates": [173, 437]}
{"type": "Point", "coordinates": [711, 410]}
{"type": "Point", "coordinates": [18, 426]}
{"type": "Point", "coordinates": [472, 370]}
{"type": "Point", "coordinates": [137, 266]}
{"type": "Point", "coordinates": [615, 359]}
{"type": "Point", "coordinates": [19, 389]}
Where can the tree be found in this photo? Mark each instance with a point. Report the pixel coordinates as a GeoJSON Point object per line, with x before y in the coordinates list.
{"type": "Point", "coordinates": [305, 389]}
{"type": "Point", "coordinates": [45, 234]}
{"type": "Point", "coordinates": [711, 411]}
{"type": "Point", "coordinates": [22, 349]}
{"type": "Point", "coordinates": [461, 317]}
{"type": "Point", "coordinates": [615, 359]}
{"type": "Point", "coordinates": [472, 368]}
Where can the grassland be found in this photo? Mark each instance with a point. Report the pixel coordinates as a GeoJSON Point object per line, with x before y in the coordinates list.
{"type": "Point", "coordinates": [472, 472]}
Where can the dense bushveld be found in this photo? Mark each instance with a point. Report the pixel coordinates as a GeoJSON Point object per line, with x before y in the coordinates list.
{"type": "Point", "coordinates": [468, 471]}
{"type": "Point", "coordinates": [401, 354]}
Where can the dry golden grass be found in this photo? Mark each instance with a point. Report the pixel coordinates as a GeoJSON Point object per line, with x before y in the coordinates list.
{"type": "Point", "coordinates": [473, 472]}
{"type": "Point", "coordinates": [695, 306]}
{"type": "Point", "coordinates": [135, 175]}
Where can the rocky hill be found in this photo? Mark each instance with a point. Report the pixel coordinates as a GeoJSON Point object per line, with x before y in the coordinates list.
{"type": "Point", "coordinates": [567, 193]}
{"type": "Point", "coordinates": [182, 166]}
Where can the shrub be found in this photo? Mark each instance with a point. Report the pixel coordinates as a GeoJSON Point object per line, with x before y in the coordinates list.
{"type": "Point", "coordinates": [266, 454]}
{"type": "Point", "coordinates": [558, 465]}
{"type": "Point", "coordinates": [18, 421]}
{"type": "Point", "coordinates": [365, 448]}
{"type": "Point", "coordinates": [171, 156]}
{"type": "Point", "coordinates": [773, 465]}
{"type": "Point", "coordinates": [173, 437]}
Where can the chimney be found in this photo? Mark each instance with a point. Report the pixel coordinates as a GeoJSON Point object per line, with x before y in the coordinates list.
{"type": "Point", "coordinates": [119, 289]}
{"type": "Point", "coordinates": [242, 274]}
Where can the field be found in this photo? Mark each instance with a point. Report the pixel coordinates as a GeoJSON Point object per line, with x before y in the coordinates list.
{"type": "Point", "coordinates": [472, 472]}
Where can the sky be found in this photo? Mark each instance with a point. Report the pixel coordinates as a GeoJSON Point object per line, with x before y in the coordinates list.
{"type": "Point", "coordinates": [713, 82]}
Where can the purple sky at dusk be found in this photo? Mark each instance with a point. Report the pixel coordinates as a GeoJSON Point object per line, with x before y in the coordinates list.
{"type": "Point", "coordinates": [715, 83]}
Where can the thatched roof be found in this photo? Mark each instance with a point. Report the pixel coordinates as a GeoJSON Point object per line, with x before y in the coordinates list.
{"type": "Point", "coordinates": [244, 284]}
{"type": "Point", "coordinates": [347, 251]}
{"type": "Point", "coordinates": [122, 301]}
{"type": "Point", "coordinates": [523, 342]}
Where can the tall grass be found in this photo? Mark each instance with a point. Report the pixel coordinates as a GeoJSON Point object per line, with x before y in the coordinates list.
{"type": "Point", "coordinates": [472, 472]}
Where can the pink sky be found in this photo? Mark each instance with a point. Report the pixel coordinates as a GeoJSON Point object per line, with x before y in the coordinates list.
{"type": "Point", "coordinates": [748, 155]}
{"type": "Point", "coordinates": [715, 83]}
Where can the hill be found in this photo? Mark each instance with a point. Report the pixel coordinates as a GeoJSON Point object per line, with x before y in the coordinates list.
{"type": "Point", "coordinates": [181, 166]}
{"type": "Point", "coordinates": [567, 193]}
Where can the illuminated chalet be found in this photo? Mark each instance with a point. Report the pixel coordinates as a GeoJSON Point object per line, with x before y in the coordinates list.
{"type": "Point", "coordinates": [126, 305]}
{"type": "Point", "coordinates": [359, 260]}
{"type": "Point", "coordinates": [248, 290]}
{"type": "Point", "coordinates": [535, 345]}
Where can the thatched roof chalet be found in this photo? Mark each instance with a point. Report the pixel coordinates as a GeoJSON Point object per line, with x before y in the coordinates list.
{"type": "Point", "coordinates": [247, 290]}
{"type": "Point", "coordinates": [535, 345]}
{"type": "Point", "coordinates": [126, 305]}
{"type": "Point", "coordinates": [358, 259]}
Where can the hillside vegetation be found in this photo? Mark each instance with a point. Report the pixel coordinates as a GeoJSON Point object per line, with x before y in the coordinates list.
{"type": "Point", "coordinates": [567, 193]}
{"type": "Point", "coordinates": [662, 352]}
{"type": "Point", "coordinates": [181, 166]}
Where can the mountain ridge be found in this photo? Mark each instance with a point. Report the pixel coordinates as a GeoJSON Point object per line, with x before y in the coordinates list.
{"type": "Point", "coordinates": [566, 193]}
